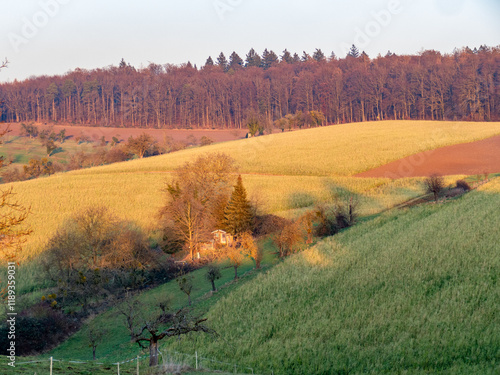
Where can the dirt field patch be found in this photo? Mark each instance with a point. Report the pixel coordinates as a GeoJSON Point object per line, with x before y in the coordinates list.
{"type": "Point", "coordinates": [463, 159]}
{"type": "Point", "coordinates": [96, 133]}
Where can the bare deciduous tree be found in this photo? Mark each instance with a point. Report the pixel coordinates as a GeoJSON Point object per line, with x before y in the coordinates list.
{"type": "Point", "coordinates": [251, 248]}
{"type": "Point", "coordinates": [434, 184]}
{"type": "Point", "coordinates": [141, 145]}
{"type": "Point", "coordinates": [166, 324]}
{"type": "Point", "coordinates": [185, 282]}
{"type": "Point", "coordinates": [95, 337]}
{"type": "Point", "coordinates": [213, 273]}
{"type": "Point", "coordinates": [289, 239]}
{"type": "Point", "coordinates": [235, 255]}
{"type": "Point", "coordinates": [193, 198]}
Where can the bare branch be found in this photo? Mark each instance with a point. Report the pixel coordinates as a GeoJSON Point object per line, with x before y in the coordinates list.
{"type": "Point", "coordinates": [4, 64]}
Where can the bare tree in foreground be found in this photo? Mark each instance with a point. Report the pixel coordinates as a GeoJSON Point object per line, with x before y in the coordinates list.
{"type": "Point", "coordinates": [165, 324]}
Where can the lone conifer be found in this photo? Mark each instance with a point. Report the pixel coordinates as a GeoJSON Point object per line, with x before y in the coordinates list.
{"type": "Point", "coordinates": [238, 213]}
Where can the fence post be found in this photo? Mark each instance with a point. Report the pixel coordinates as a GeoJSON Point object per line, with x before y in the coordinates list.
{"type": "Point", "coordinates": [235, 369]}
{"type": "Point", "coordinates": [118, 364]}
{"type": "Point", "coordinates": [196, 356]}
{"type": "Point", "coordinates": [137, 365]}
{"type": "Point", "coordinates": [51, 359]}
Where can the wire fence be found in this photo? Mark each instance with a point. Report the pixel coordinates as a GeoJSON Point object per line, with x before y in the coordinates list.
{"type": "Point", "coordinates": [169, 362]}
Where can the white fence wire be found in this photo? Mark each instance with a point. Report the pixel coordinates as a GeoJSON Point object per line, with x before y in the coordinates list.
{"type": "Point", "coordinates": [170, 360]}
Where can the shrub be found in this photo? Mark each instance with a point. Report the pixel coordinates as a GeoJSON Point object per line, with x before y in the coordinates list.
{"type": "Point", "coordinates": [13, 174]}
{"type": "Point", "coordinates": [462, 184]}
{"type": "Point", "coordinates": [205, 141]}
{"type": "Point", "coordinates": [38, 329]}
{"type": "Point", "coordinates": [269, 224]}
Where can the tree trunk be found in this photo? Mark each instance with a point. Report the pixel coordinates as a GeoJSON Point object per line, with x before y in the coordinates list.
{"type": "Point", "coordinates": [213, 285]}
{"type": "Point", "coordinates": [153, 352]}
{"type": "Point", "coordinates": [235, 272]}
{"type": "Point", "coordinates": [93, 352]}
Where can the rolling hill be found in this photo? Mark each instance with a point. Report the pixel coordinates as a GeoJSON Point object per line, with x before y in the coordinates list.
{"type": "Point", "coordinates": [410, 291]}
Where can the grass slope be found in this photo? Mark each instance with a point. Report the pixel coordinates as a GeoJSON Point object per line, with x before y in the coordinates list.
{"type": "Point", "coordinates": [407, 293]}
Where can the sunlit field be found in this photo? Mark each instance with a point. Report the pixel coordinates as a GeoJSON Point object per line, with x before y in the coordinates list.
{"type": "Point", "coordinates": [341, 150]}
{"type": "Point", "coordinates": [306, 168]}
{"type": "Point", "coordinates": [137, 197]}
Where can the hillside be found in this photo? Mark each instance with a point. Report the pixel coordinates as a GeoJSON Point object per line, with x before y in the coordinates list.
{"type": "Point", "coordinates": [410, 292]}
{"type": "Point", "coordinates": [284, 172]}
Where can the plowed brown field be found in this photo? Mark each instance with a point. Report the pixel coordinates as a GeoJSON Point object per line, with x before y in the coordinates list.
{"type": "Point", "coordinates": [467, 158]}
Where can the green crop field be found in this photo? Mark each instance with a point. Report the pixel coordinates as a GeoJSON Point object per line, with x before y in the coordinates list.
{"type": "Point", "coordinates": [410, 292]}
{"type": "Point", "coordinates": [21, 149]}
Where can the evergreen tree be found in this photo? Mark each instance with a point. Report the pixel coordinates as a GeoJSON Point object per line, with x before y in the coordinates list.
{"type": "Point", "coordinates": [296, 58]}
{"type": "Point", "coordinates": [364, 56]}
{"type": "Point", "coordinates": [353, 52]}
{"type": "Point", "coordinates": [222, 62]}
{"type": "Point", "coordinates": [253, 59]}
{"type": "Point", "coordinates": [333, 57]}
{"type": "Point", "coordinates": [318, 55]}
{"type": "Point", "coordinates": [235, 61]}
{"type": "Point", "coordinates": [269, 58]}
{"type": "Point", "coordinates": [305, 56]}
{"type": "Point", "coordinates": [238, 213]}
{"type": "Point", "coordinates": [209, 61]}
{"type": "Point", "coordinates": [287, 57]}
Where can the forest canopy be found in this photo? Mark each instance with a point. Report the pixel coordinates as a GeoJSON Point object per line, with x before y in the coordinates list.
{"type": "Point", "coordinates": [226, 93]}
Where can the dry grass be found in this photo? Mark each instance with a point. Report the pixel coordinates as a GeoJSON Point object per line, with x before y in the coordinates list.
{"type": "Point", "coordinates": [341, 150]}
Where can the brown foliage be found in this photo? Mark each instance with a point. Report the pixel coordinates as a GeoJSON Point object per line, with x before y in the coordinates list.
{"type": "Point", "coordinates": [12, 229]}
{"type": "Point", "coordinates": [249, 247]}
{"type": "Point", "coordinates": [290, 239]}
{"type": "Point", "coordinates": [269, 224]}
{"type": "Point", "coordinates": [195, 198]}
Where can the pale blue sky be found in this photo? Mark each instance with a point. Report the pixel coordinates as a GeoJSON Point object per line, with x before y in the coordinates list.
{"type": "Point", "coordinates": [39, 39]}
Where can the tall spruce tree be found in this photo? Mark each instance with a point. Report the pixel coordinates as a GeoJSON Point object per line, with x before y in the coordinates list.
{"type": "Point", "coordinates": [209, 61]}
{"type": "Point", "coordinates": [238, 214]}
{"type": "Point", "coordinates": [222, 62]}
{"type": "Point", "coordinates": [253, 59]}
{"type": "Point", "coordinates": [269, 58]}
{"type": "Point", "coordinates": [353, 52]}
{"type": "Point", "coordinates": [235, 61]}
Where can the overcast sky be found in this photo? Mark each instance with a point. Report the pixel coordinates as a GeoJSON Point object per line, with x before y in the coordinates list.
{"type": "Point", "coordinates": [55, 36]}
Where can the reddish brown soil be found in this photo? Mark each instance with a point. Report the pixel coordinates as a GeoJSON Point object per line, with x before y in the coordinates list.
{"type": "Point", "coordinates": [96, 133]}
{"type": "Point", "coordinates": [467, 159]}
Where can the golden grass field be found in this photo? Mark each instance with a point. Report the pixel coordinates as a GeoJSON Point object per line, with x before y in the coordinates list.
{"type": "Point", "coordinates": [340, 150]}
{"type": "Point", "coordinates": [286, 172]}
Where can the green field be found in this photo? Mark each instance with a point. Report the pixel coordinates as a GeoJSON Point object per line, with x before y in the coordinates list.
{"type": "Point", "coordinates": [410, 292]}
{"type": "Point", "coordinates": [21, 149]}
